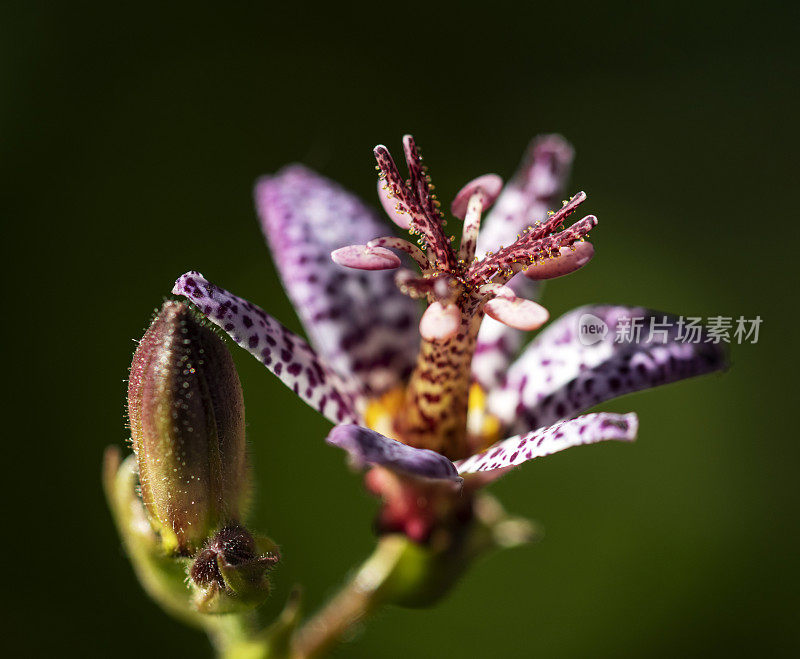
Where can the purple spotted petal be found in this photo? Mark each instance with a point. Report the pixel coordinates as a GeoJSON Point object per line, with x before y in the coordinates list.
{"type": "Point", "coordinates": [536, 188]}
{"type": "Point", "coordinates": [562, 374]}
{"type": "Point", "coordinates": [367, 447]}
{"type": "Point", "coordinates": [282, 352]}
{"type": "Point", "coordinates": [358, 321]}
{"type": "Point", "coordinates": [587, 429]}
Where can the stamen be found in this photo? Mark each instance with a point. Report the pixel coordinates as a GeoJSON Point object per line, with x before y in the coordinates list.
{"type": "Point", "coordinates": [489, 185]}
{"type": "Point", "coordinates": [470, 202]}
{"type": "Point", "coordinates": [404, 246]}
{"type": "Point", "coordinates": [364, 257]}
{"type": "Point", "coordinates": [436, 287]}
{"type": "Point", "coordinates": [514, 311]}
{"type": "Point", "coordinates": [472, 224]}
{"type": "Point", "coordinates": [440, 322]}
{"type": "Point", "coordinates": [569, 260]}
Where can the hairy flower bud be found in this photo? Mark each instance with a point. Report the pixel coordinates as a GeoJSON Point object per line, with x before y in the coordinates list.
{"type": "Point", "coordinates": [186, 414]}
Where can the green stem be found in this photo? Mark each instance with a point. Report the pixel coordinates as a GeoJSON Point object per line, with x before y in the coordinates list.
{"type": "Point", "coordinates": [234, 637]}
{"type": "Point", "coordinates": [242, 636]}
{"type": "Point", "coordinates": [361, 596]}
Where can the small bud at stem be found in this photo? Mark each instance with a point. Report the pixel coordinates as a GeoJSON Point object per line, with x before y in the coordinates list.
{"type": "Point", "coordinates": [231, 572]}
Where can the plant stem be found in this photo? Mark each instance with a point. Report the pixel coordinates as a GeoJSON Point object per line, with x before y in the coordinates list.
{"type": "Point", "coordinates": [361, 596]}
{"type": "Point", "coordinates": [231, 635]}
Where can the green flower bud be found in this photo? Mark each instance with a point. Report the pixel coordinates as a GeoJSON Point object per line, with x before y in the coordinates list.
{"type": "Point", "coordinates": [186, 414]}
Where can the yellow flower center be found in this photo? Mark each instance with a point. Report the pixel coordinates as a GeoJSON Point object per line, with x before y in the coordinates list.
{"type": "Point", "coordinates": [483, 428]}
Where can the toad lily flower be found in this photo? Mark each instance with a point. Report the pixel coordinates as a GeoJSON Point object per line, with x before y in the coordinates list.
{"type": "Point", "coordinates": [423, 398]}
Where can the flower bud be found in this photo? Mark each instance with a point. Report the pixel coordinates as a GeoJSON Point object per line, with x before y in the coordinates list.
{"type": "Point", "coordinates": [186, 414]}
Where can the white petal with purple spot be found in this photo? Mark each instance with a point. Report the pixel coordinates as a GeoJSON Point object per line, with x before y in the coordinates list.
{"type": "Point", "coordinates": [564, 372]}
{"type": "Point", "coordinates": [367, 447]}
{"type": "Point", "coordinates": [588, 429]}
{"type": "Point", "coordinates": [284, 353]}
{"type": "Point", "coordinates": [358, 321]}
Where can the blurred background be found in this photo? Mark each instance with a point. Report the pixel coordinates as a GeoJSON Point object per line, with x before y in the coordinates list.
{"type": "Point", "coordinates": [130, 136]}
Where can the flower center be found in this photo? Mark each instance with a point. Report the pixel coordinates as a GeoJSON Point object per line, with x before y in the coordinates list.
{"type": "Point", "coordinates": [458, 288]}
{"type": "Point", "coordinates": [483, 428]}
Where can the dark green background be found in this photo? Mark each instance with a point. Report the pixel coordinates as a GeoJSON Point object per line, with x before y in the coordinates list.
{"type": "Point", "coordinates": [130, 137]}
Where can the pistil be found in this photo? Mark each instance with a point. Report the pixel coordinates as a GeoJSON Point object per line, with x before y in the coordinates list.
{"type": "Point", "coordinates": [434, 415]}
